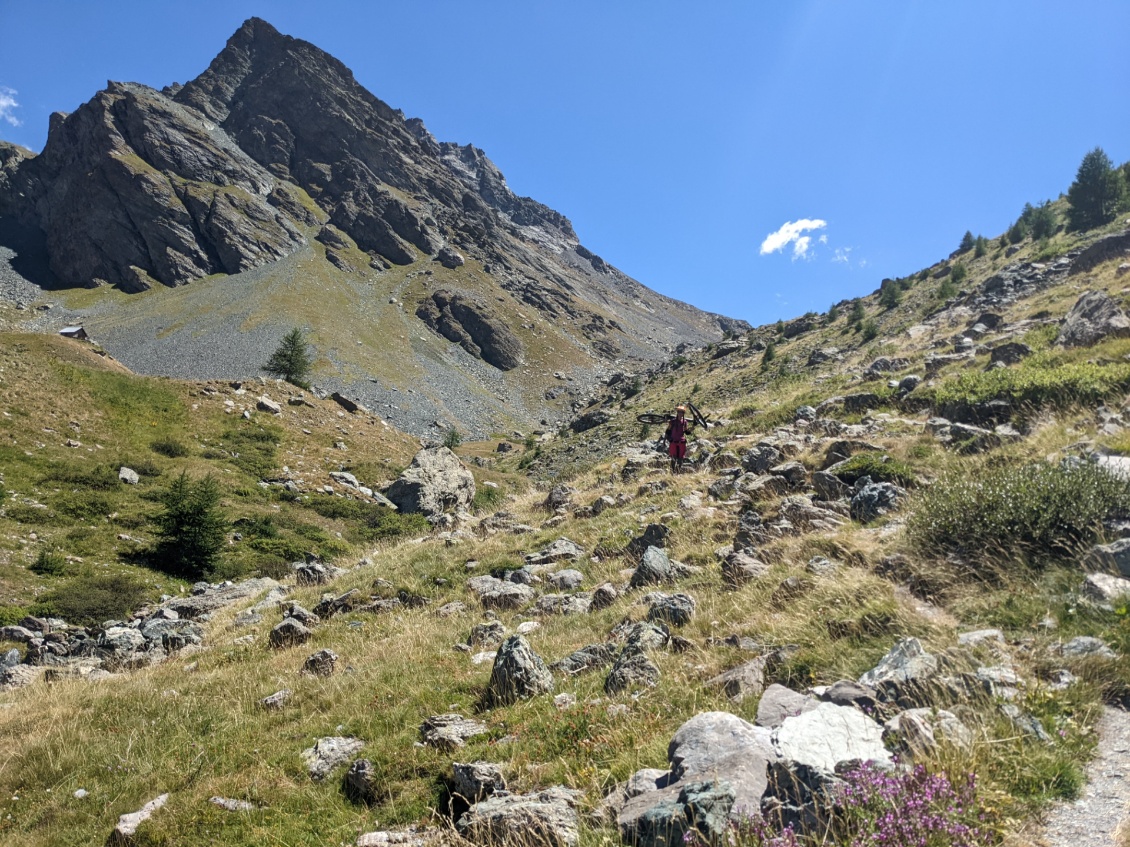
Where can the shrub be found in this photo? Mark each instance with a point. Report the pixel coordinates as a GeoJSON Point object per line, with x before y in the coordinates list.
{"type": "Point", "coordinates": [452, 439]}
{"type": "Point", "coordinates": [1039, 381]}
{"type": "Point", "coordinates": [49, 563]}
{"type": "Point", "coordinates": [947, 290]}
{"type": "Point", "coordinates": [870, 330]}
{"type": "Point", "coordinates": [251, 448]}
{"type": "Point", "coordinates": [980, 247]}
{"type": "Point", "coordinates": [192, 529]}
{"type": "Point", "coordinates": [169, 447]}
{"type": "Point", "coordinates": [833, 314]}
{"type": "Point", "coordinates": [959, 273]}
{"type": "Point", "coordinates": [967, 242]}
{"type": "Point", "coordinates": [487, 497]}
{"type": "Point", "coordinates": [91, 599]}
{"type": "Point", "coordinates": [890, 294]}
{"type": "Point", "coordinates": [857, 313]}
{"type": "Point", "coordinates": [85, 505]}
{"type": "Point", "coordinates": [769, 355]}
{"type": "Point", "coordinates": [879, 466]}
{"type": "Point", "coordinates": [1034, 511]}
{"type": "Point", "coordinates": [98, 477]}
{"type": "Point", "coordinates": [384, 523]}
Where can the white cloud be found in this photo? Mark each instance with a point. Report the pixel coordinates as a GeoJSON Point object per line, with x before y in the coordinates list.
{"type": "Point", "coordinates": [823, 239]}
{"type": "Point", "coordinates": [8, 104]}
{"type": "Point", "coordinates": [843, 255]}
{"type": "Point", "coordinates": [792, 232]}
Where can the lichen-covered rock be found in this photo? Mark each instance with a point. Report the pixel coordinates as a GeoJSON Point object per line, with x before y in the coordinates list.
{"type": "Point", "coordinates": [435, 482]}
{"type": "Point", "coordinates": [328, 753]}
{"type": "Point", "coordinates": [1094, 316]}
{"type": "Point", "coordinates": [518, 673]}
{"type": "Point", "coordinates": [546, 818]}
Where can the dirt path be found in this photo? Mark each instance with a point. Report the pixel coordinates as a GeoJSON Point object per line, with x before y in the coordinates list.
{"type": "Point", "coordinates": [1097, 818]}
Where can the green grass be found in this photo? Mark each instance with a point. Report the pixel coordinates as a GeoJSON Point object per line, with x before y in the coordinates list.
{"type": "Point", "coordinates": [1040, 381]}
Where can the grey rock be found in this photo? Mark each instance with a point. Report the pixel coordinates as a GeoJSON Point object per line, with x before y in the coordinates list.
{"type": "Point", "coordinates": [916, 731]}
{"type": "Point", "coordinates": [778, 702]}
{"type": "Point", "coordinates": [1105, 588]}
{"type": "Point", "coordinates": [587, 658]}
{"type": "Point", "coordinates": [128, 475]}
{"type": "Point", "coordinates": [275, 701]}
{"type": "Point", "coordinates": [266, 404]}
{"type": "Point", "coordinates": [566, 580]}
{"type": "Point", "coordinates": [217, 597]}
{"type": "Point", "coordinates": [10, 659]}
{"type": "Point", "coordinates": [559, 497]}
{"type": "Point", "coordinates": [312, 573]}
{"type": "Point", "coordinates": [906, 662]}
{"type": "Point", "coordinates": [518, 673]}
{"type": "Point", "coordinates": [361, 782]}
{"type": "Point", "coordinates": [435, 482]}
{"type": "Point", "coordinates": [1084, 646]}
{"type": "Point", "coordinates": [874, 500]}
{"type": "Point", "coordinates": [1114, 557]}
{"type": "Point", "coordinates": [746, 680]}
{"type": "Point", "coordinates": [675, 609]}
{"type": "Point", "coordinates": [1094, 316]}
{"type": "Point", "coordinates": [450, 731]}
{"type": "Point", "coordinates": [545, 818]}
{"type": "Point", "coordinates": [472, 324]}
{"type": "Point", "coordinates": [1009, 354]}
{"type": "Point", "coordinates": [475, 780]}
{"type": "Point", "coordinates": [761, 458]}
{"type": "Point", "coordinates": [321, 663]}
{"type": "Point", "coordinates": [559, 550]}
{"type": "Point", "coordinates": [17, 633]}
{"type": "Point", "coordinates": [125, 833]}
{"type": "Point", "coordinates": [229, 804]}
{"type": "Point", "coordinates": [642, 635]}
{"type": "Point", "coordinates": [654, 569]}
{"type": "Point", "coordinates": [718, 776]}
{"type": "Point", "coordinates": [632, 668]}
{"type": "Point", "coordinates": [500, 594]}
{"type": "Point", "coordinates": [794, 473]}
{"type": "Point", "coordinates": [828, 486]}
{"type": "Point", "coordinates": [302, 615]}
{"type": "Point", "coordinates": [289, 633]}
{"type": "Point", "coordinates": [909, 383]}
{"type": "Point", "coordinates": [822, 566]}
{"type": "Point", "coordinates": [983, 636]}
{"type": "Point", "coordinates": [654, 535]}
{"type": "Point", "coordinates": [329, 753]}
{"type": "Point", "coordinates": [565, 604]}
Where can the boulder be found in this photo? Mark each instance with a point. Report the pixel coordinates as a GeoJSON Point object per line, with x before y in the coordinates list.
{"type": "Point", "coordinates": [275, 701]}
{"type": "Point", "coordinates": [569, 579]}
{"type": "Point", "coordinates": [289, 633]}
{"type": "Point", "coordinates": [717, 778]}
{"type": "Point", "coordinates": [761, 458]}
{"type": "Point", "coordinates": [1105, 588]}
{"type": "Point", "coordinates": [1094, 316]}
{"type": "Point", "coordinates": [434, 483]}
{"type": "Point", "coordinates": [739, 568]}
{"type": "Point", "coordinates": [1010, 353]}
{"type": "Point", "coordinates": [632, 669]}
{"type": "Point", "coordinates": [675, 609]}
{"type": "Point", "coordinates": [903, 672]}
{"type": "Point", "coordinates": [128, 475]}
{"type": "Point", "coordinates": [778, 702]}
{"type": "Point", "coordinates": [321, 663]}
{"type": "Point", "coordinates": [654, 535]}
{"type": "Point", "coordinates": [545, 818]}
{"type": "Point", "coordinates": [328, 753]}
{"type": "Point", "coordinates": [565, 604]}
{"type": "Point", "coordinates": [496, 593]}
{"type": "Point", "coordinates": [603, 596]}
{"type": "Point", "coordinates": [266, 404]}
{"type": "Point", "coordinates": [559, 550]}
{"type": "Point", "coordinates": [1113, 557]}
{"type": "Point", "coordinates": [475, 780]}
{"type": "Point", "coordinates": [916, 732]}
{"type": "Point", "coordinates": [875, 499]}
{"type": "Point", "coordinates": [655, 568]}
{"type": "Point", "coordinates": [518, 673]}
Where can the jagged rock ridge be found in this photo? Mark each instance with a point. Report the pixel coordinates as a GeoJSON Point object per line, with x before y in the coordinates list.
{"type": "Point", "coordinates": [140, 186]}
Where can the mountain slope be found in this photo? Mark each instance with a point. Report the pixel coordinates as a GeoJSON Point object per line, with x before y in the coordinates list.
{"type": "Point", "coordinates": [274, 161]}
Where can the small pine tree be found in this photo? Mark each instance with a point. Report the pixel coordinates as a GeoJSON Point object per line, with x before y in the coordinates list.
{"type": "Point", "coordinates": [980, 247]}
{"type": "Point", "coordinates": [967, 242]}
{"type": "Point", "coordinates": [452, 439]}
{"type": "Point", "coordinates": [870, 330]}
{"type": "Point", "coordinates": [833, 313]}
{"type": "Point", "coordinates": [292, 359]}
{"type": "Point", "coordinates": [947, 290]}
{"type": "Point", "coordinates": [857, 313]}
{"type": "Point", "coordinates": [192, 530]}
{"type": "Point", "coordinates": [1003, 242]}
{"type": "Point", "coordinates": [1017, 232]}
{"type": "Point", "coordinates": [890, 294]}
{"type": "Point", "coordinates": [1043, 221]}
{"type": "Point", "coordinates": [959, 273]}
{"type": "Point", "coordinates": [769, 355]}
{"type": "Point", "coordinates": [1097, 194]}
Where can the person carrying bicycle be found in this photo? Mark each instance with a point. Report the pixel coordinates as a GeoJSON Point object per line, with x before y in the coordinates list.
{"type": "Point", "coordinates": [676, 437]}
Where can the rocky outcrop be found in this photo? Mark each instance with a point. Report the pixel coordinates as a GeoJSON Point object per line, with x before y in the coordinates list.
{"type": "Point", "coordinates": [518, 673]}
{"type": "Point", "coordinates": [473, 326]}
{"type": "Point", "coordinates": [1094, 316]}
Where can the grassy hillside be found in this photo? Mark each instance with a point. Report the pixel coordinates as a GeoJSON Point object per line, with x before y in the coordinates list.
{"type": "Point", "coordinates": [989, 533]}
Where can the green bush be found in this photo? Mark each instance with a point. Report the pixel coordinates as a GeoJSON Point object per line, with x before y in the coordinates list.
{"type": "Point", "coordinates": [870, 330]}
{"type": "Point", "coordinates": [12, 615]}
{"type": "Point", "coordinates": [1039, 381]}
{"type": "Point", "coordinates": [85, 505]}
{"type": "Point", "coordinates": [1035, 512]}
{"type": "Point", "coordinates": [487, 497]}
{"type": "Point", "coordinates": [49, 563]}
{"type": "Point", "coordinates": [386, 523]}
{"type": "Point", "coordinates": [879, 466]}
{"type": "Point", "coordinates": [169, 447]}
{"type": "Point", "coordinates": [24, 513]}
{"type": "Point", "coordinates": [93, 598]}
{"type": "Point", "coordinates": [252, 448]}
{"type": "Point", "coordinates": [959, 273]}
{"type": "Point", "coordinates": [98, 477]}
{"type": "Point", "coordinates": [452, 439]}
{"type": "Point", "coordinates": [192, 529]}
{"type": "Point", "coordinates": [947, 290]}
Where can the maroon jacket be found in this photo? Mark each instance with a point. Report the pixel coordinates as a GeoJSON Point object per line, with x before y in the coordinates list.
{"type": "Point", "coordinates": [677, 430]}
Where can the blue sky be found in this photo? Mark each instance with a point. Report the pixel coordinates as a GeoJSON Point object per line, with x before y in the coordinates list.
{"type": "Point", "coordinates": [679, 137]}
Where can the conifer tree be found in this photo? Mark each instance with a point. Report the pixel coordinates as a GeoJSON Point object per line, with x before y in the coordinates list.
{"type": "Point", "coordinates": [292, 359]}
{"type": "Point", "coordinates": [192, 530]}
{"type": "Point", "coordinates": [1097, 194]}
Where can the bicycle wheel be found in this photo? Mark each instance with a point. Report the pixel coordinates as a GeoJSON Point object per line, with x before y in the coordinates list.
{"type": "Point", "coordinates": [699, 417]}
{"type": "Point", "coordinates": [653, 418]}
